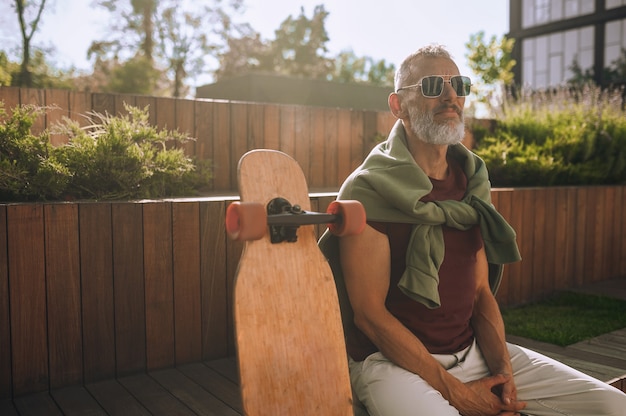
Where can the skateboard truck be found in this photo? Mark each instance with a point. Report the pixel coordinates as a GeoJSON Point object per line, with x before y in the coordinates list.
{"type": "Point", "coordinates": [284, 220]}
{"type": "Point", "coordinates": [246, 221]}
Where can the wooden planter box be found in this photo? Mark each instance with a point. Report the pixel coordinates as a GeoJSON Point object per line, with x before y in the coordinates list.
{"type": "Point", "coordinates": [90, 291]}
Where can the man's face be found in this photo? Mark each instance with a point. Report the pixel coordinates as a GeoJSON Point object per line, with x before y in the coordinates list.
{"type": "Point", "coordinates": [436, 120]}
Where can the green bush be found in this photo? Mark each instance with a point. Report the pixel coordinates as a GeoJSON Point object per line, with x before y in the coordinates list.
{"type": "Point", "coordinates": [112, 158]}
{"type": "Point", "coordinates": [559, 137]}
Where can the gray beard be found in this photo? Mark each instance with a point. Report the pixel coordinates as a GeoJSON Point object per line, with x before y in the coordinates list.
{"type": "Point", "coordinates": [424, 127]}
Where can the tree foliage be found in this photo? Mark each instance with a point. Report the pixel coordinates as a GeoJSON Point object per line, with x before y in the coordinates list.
{"type": "Point", "coordinates": [175, 37]}
{"type": "Point", "coordinates": [493, 63]}
{"type": "Point", "coordinates": [23, 10]}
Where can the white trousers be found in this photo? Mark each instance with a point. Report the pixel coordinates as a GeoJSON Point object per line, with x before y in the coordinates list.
{"type": "Point", "coordinates": [547, 386]}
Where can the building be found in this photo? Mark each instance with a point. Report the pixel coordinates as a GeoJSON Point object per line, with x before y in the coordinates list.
{"type": "Point", "coordinates": [282, 89]}
{"type": "Point", "coordinates": [553, 35]}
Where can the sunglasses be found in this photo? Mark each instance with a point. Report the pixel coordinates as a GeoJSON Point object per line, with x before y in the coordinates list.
{"type": "Point", "coordinates": [432, 85]}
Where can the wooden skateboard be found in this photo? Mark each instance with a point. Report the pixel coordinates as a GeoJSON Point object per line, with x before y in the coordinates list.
{"type": "Point", "coordinates": [290, 342]}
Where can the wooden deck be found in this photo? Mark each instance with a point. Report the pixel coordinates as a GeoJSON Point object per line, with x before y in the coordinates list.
{"type": "Point", "coordinates": [211, 388]}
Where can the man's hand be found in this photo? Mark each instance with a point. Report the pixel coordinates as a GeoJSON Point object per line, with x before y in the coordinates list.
{"type": "Point", "coordinates": [495, 395]}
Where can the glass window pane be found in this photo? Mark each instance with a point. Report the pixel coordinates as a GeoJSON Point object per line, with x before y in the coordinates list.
{"type": "Point", "coordinates": [611, 4]}
{"type": "Point", "coordinates": [528, 71]}
{"type": "Point", "coordinates": [541, 55]}
{"type": "Point", "coordinates": [556, 71]}
{"type": "Point", "coordinates": [613, 32]}
{"type": "Point", "coordinates": [571, 8]}
{"type": "Point", "coordinates": [541, 80]}
{"type": "Point", "coordinates": [586, 37]}
{"type": "Point", "coordinates": [528, 48]}
{"type": "Point", "coordinates": [587, 6]}
{"type": "Point", "coordinates": [611, 54]}
{"type": "Point", "coordinates": [556, 43]}
{"type": "Point", "coordinates": [571, 46]}
{"type": "Point", "coordinates": [527, 13]}
{"type": "Point", "coordinates": [556, 13]}
{"type": "Point", "coordinates": [586, 60]}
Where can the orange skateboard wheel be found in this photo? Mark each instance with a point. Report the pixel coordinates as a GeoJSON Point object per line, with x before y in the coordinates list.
{"type": "Point", "coordinates": [246, 221]}
{"type": "Point", "coordinates": [352, 219]}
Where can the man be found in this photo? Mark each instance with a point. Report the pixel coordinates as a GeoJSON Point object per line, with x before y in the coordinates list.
{"type": "Point", "coordinates": [428, 337]}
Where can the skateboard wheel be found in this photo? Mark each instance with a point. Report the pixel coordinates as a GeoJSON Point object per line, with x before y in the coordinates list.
{"type": "Point", "coordinates": [246, 221]}
{"type": "Point", "coordinates": [352, 216]}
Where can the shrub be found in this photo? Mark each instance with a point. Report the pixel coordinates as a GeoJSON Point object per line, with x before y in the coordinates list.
{"type": "Point", "coordinates": [119, 157]}
{"type": "Point", "coordinates": [558, 137]}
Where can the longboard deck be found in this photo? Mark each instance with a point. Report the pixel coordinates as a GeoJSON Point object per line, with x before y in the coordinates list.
{"type": "Point", "coordinates": [289, 335]}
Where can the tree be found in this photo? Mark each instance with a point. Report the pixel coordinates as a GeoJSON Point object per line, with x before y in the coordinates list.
{"type": "Point", "coordinates": [493, 63]}
{"type": "Point", "coordinates": [350, 68]}
{"type": "Point", "coordinates": [27, 30]}
{"type": "Point", "coordinates": [177, 37]}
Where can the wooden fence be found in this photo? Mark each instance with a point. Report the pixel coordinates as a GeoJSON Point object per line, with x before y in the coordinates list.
{"type": "Point", "coordinates": [95, 290]}
{"type": "Point", "coordinates": [327, 142]}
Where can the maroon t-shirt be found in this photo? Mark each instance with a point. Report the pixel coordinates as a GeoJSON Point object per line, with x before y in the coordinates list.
{"type": "Point", "coordinates": [444, 330]}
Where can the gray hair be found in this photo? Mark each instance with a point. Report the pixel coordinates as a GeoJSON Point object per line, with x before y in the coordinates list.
{"type": "Point", "coordinates": [429, 51]}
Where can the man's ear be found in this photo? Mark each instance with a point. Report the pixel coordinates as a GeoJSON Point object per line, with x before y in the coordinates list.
{"type": "Point", "coordinates": [395, 106]}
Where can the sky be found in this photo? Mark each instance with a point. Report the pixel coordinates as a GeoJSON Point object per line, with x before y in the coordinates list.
{"type": "Point", "coordinates": [385, 29]}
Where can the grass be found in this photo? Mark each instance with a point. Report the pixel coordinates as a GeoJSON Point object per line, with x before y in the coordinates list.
{"type": "Point", "coordinates": [566, 318]}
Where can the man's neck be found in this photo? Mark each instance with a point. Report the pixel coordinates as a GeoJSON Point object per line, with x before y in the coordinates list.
{"type": "Point", "coordinates": [431, 158]}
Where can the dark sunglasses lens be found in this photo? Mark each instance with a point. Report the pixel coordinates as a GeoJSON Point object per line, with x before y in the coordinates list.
{"type": "Point", "coordinates": [461, 85]}
{"type": "Point", "coordinates": [432, 86]}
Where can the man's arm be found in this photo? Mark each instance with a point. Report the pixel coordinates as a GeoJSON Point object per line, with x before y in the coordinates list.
{"type": "Point", "coordinates": [489, 330]}
{"type": "Point", "coordinates": [365, 260]}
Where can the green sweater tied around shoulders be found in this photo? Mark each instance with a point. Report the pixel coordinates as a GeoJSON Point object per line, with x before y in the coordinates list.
{"type": "Point", "coordinates": [390, 185]}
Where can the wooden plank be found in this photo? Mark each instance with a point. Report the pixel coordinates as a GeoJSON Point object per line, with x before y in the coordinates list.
{"type": "Point", "coordinates": [63, 294]}
{"type": "Point", "coordinates": [331, 129]}
{"type": "Point", "coordinates": [564, 238]}
{"type": "Point", "coordinates": [356, 140]}
{"type": "Point", "coordinates": [11, 98]}
{"type": "Point", "coordinates": [165, 111]}
{"type": "Point", "coordinates": [502, 202]}
{"type": "Point", "coordinates": [238, 137]}
{"type": "Point", "coordinates": [271, 127]}
{"type": "Point", "coordinates": [287, 130]}
{"type": "Point", "coordinates": [187, 293]}
{"type": "Point", "coordinates": [595, 259]}
{"type": "Point", "coordinates": [343, 145]}
{"type": "Point", "coordinates": [233, 254]}
{"type": "Point", "coordinates": [526, 242]}
{"type": "Point", "coordinates": [103, 103]}
{"type": "Point", "coordinates": [204, 130]}
{"type": "Point", "coordinates": [616, 247]}
{"type": "Point", "coordinates": [36, 405]}
{"type": "Point", "coordinates": [26, 254]}
{"type": "Point", "coordinates": [213, 275]}
{"type": "Point", "coordinates": [122, 101]}
{"type": "Point", "coordinates": [97, 291]}
{"type": "Point", "coordinates": [195, 397]}
{"type": "Point", "coordinates": [515, 270]}
{"type": "Point", "coordinates": [153, 397]}
{"type": "Point", "coordinates": [58, 100]}
{"type": "Point", "coordinates": [222, 158]}
{"type": "Point", "coordinates": [581, 236]}
{"type": "Point", "coordinates": [79, 106]}
{"type": "Point", "coordinates": [537, 209]}
{"type": "Point", "coordinates": [76, 401]}
{"type": "Point", "coordinates": [7, 408]}
{"type": "Point", "coordinates": [5, 317]}
{"type": "Point", "coordinates": [35, 97]}
{"type": "Point", "coordinates": [256, 123]}
{"type": "Point", "coordinates": [128, 284]}
{"type": "Point", "coordinates": [185, 123]}
{"type": "Point", "coordinates": [303, 151]}
{"type": "Point", "coordinates": [227, 367]}
{"type": "Point", "coordinates": [215, 383]}
{"type": "Point", "coordinates": [157, 225]}
{"type": "Point", "coordinates": [115, 399]}
{"type": "Point", "coordinates": [318, 150]}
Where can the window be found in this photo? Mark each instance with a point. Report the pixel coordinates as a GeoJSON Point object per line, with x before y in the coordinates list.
{"type": "Point", "coordinates": [548, 60]}
{"type": "Point", "coordinates": [611, 4]}
{"type": "Point", "coordinates": [615, 41]}
{"type": "Point", "coordinates": [539, 12]}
